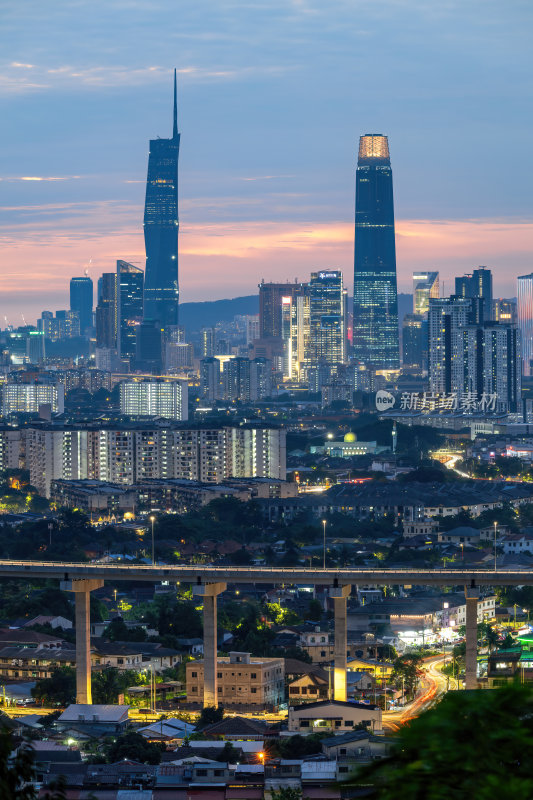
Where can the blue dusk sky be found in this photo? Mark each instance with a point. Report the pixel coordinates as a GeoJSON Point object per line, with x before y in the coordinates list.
{"type": "Point", "coordinates": [273, 97]}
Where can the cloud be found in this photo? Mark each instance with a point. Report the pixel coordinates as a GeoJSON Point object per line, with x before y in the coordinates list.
{"type": "Point", "coordinates": [41, 178]}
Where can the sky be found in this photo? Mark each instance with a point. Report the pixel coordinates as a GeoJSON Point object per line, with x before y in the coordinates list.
{"type": "Point", "coordinates": [273, 96]}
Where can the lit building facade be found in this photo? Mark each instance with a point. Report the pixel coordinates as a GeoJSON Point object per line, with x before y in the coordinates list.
{"type": "Point", "coordinates": [130, 285]}
{"type": "Point", "coordinates": [81, 300]}
{"type": "Point", "coordinates": [167, 399]}
{"type": "Point", "coordinates": [327, 318]}
{"type": "Point", "coordinates": [25, 398]}
{"type": "Point", "coordinates": [270, 298]}
{"type": "Point", "coordinates": [488, 363]}
{"type": "Point", "coordinates": [296, 332]}
{"type": "Point", "coordinates": [375, 309]}
{"type": "Point", "coordinates": [478, 286]}
{"type": "Point", "coordinates": [425, 287]}
{"type": "Point", "coordinates": [161, 288]}
{"type": "Point", "coordinates": [525, 321]}
{"type": "Point", "coordinates": [446, 317]}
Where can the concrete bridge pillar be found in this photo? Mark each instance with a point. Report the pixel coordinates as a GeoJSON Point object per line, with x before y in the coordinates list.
{"type": "Point", "coordinates": [471, 596]}
{"type": "Point", "coordinates": [340, 594]}
{"type": "Point", "coordinates": [209, 593]}
{"type": "Point", "coordinates": [82, 589]}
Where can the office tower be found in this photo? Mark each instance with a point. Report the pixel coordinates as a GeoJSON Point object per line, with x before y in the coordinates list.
{"type": "Point", "coordinates": [178, 356]}
{"type": "Point", "coordinates": [252, 328]}
{"type": "Point", "coordinates": [477, 285]}
{"type": "Point", "coordinates": [295, 332]}
{"type": "Point", "coordinates": [149, 347]}
{"type": "Point", "coordinates": [425, 286]}
{"type": "Point", "coordinates": [167, 399]}
{"type": "Point", "coordinates": [327, 324]}
{"type": "Point", "coordinates": [505, 311]}
{"type": "Point", "coordinates": [161, 288]}
{"type": "Point", "coordinates": [106, 312]}
{"type": "Point", "coordinates": [488, 363]}
{"type": "Point", "coordinates": [525, 321]}
{"type": "Point", "coordinates": [25, 398]}
{"type": "Point", "coordinates": [446, 317]}
{"type": "Point", "coordinates": [270, 297]}
{"type": "Point", "coordinates": [375, 304]}
{"type": "Point", "coordinates": [130, 284]}
{"type": "Point", "coordinates": [69, 324]}
{"type": "Point", "coordinates": [81, 300]}
{"type": "Point", "coordinates": [415, 341]}
{"type": "Point", "coordinates": [35, 347]}
{"type": "Point", "coordinates": [210, 388]}
{"type": "Point", "coordinates": [208, 342]}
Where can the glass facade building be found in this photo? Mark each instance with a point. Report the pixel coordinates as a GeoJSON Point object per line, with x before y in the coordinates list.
{"type": "Point", "coordinates": [525, 321]}
{"type": "Point", "coordinates": [130, 282]}
{"type": "Point", "coordinates": [375, 305]}
{"type": "Point", "coordinates": [161, 289]}
{"type": "Point", "coordinates": [327, 318]}
{"type": "Point", "coordinates": [81, 300]}
{"type": "Point", "coordinates": [477, 286]}
{"type": "Point", "coordinates": [425, 286]}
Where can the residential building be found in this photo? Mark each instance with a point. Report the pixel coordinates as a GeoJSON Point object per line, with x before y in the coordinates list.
{"type": "Point", "coordinates": [333, 716]}
{"type": "Point", "coordinates": [295, 332]}
{"type": "Point", "coordinates": [477, 285]}
{"type": "Point", "coordinates": [106, 312]}
{"type": "Point", "coordinates": [130, 294]}
{"type": "Point", "coordinates": [242, 679]}
{"type": "Point", "coordinates": [415, 341]}
{"type": "Point", "coordinates": [375, 307]}
{"type": "Point", "coordinates": [525, 321]}
{"type": "Point", "coordinates": [158, 398]}
{"type": "Point", "coordinates": [26, 398]}
{"type": "Point", "coordinates": [210, 379]}
{"type": "Point", "coordinates": [446, 318]}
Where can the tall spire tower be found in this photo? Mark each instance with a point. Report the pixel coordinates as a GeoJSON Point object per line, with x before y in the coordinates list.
{"type": "Point", "coordinates": [375, 302]}
{"type": "Point", "coordinates": [161, 225]}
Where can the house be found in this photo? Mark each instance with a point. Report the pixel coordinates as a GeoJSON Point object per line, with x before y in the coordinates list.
{"type": "Point", "coordinates": [94, 719]}
{"type": "Point", "coordinates": [517, 543]}
{"type": "Point", "coordinates": [310, 687]}
{"type": "Point", "coordinates": [333, 715]}
{"type": "Point", "coordinates": [463, 534]}
{"type": "Point", "coordinates": [33, 663]}
{"type": "Point", "coordinates": [169, 731]}
{"type": "Point", "coordinates": [29, 638]}
{"type": "Point", "coordinates": [192, 646]}
{"type": "Point", "coordinates": [357, 745]}
{"type": "Point", "coordinates": [239, 729]}
{"type": "Point", "coordinates": [54, 622]}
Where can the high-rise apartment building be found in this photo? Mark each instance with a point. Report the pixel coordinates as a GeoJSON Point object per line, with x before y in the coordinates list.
{"type": "Point", "coordinates": [295, 331]}
{"type": "Point", "coordinates": [167, 399]}
{"type": "Point", "coordinates": [81, 300]}
{"type": "Point", "coordinates": [161, 287]}
{"type": "Point", "coordinates": [210, 388]}
{"type": "Point", "coordinates": [478, 286]}
{"type": "Point", "coordinates": [209, 342]}
{"type": "Point", "coordinates": [327, 318]}
{"type": "Point", "coordinates": [446, 317]}
{"type": "Point", "coordinates": [270, 298]}
{"type": "Point", "coordinates": [425, 287]}
{"type": "Point", "coordinates": [69, 323]}
{"type": "Point", "coordinates": [26, 398]}
{"type": "Point", "coordinates": [130, 285]}
{"type": "Point", "coordinates": [488, 364]}
{"type": "Point", "coordinates": [375, 306]}
{"type": "Point", "coordinates": [505, 310]}
{"type": "Point", "coordinates": [130, 454]}
{"type": "Point", "coordinates": [246, 380]}
{"type": "Point", "coordinates": [525, 321]}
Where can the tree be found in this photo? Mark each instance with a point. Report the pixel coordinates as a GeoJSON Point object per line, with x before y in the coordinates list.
{"type": "Point", "coordinates": [209, 715]}
{"type": "Point", "coordinates": [133, 745]}
{"type": "Point", "coordinates": [16, 774]}
{"type": "Point", "coordinates": [57, 690]}
{"type": "Point", "coordinates": [473, 744]}
{"type": "Point", "coordinates": [109, 683]}
{"type": "Point", "coordinates": [229, 753]}
{"type": "Point", "coordinates": [406, 670]}
{"type": "Point", "coordinates": [286, 793]}
{"type": "Point", "coordinates": [118, 631]}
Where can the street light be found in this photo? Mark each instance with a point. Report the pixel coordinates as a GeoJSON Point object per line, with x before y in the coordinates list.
{"type": "Point", "coordinates": [324, 522]}
{"type": "Point", "coordinates": [152, 520]}
{"type": "Point", "coordinates": [495, 529]}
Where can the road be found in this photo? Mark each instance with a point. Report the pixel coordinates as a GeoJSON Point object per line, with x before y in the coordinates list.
{"type": "Point", "coordinates": [433, 685]}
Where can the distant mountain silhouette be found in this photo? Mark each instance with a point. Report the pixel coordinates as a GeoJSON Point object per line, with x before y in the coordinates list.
{"type": "Point", "coordinates": [194, 316]}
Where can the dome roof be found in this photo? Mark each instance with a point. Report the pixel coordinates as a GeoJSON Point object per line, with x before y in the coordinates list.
{"type": "Point", "coordinates": [350, 437]}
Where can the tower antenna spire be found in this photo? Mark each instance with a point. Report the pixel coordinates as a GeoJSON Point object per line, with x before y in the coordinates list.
{"type": "Point", "coordinates": [175, 128]}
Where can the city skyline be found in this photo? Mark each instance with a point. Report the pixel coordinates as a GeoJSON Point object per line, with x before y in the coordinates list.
{"type": "Point", "coordinates": [266, 187]}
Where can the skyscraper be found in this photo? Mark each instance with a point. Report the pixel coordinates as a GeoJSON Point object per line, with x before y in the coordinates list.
{"type": "Point", "coordinates": [425, 286]}
{"type": "Point", "coordinates": [525, 321]}
{"type": "Point", "coordinates": [270, 297]}
{"type": "Point", "coordinates": [106, 311]}
{"type": "Point", "coordinates": [327, 318]}
{"type": "Point", "coordinates": [375, 303]}
{"type": "Point", "coordinates": [81, 300]}
{"type": "Point", "coordinates": [446, 319]}
{"type": "Point", "coordinates": [477, 285]}
{"type": "Point", "coordinates": [161, 288]}
{"type": "Point", "coordinates": [130, 281]}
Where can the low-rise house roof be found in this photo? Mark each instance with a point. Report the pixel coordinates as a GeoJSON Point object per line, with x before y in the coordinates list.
{"type": "Point", "coordinates": [84, 712]}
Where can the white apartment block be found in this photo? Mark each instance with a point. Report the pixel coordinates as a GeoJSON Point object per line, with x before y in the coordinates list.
{"type": "Point", "coordinates": [241, 679]}
{"type": "Point", "coordinates": [167, 399]}
{"type": "Point", "coordinates": [129, 455]}
{"type": "Point", "coordinates": [25, 398]}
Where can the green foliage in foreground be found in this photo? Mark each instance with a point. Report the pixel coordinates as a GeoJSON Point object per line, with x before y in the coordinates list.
{"type": "Point", "coordinates": [472, 745]}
